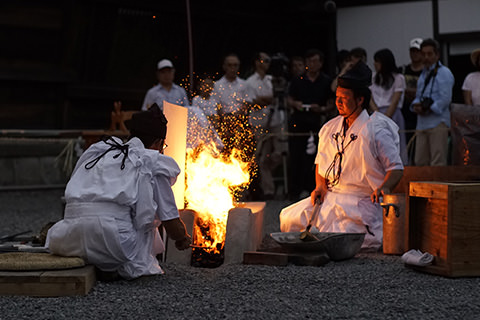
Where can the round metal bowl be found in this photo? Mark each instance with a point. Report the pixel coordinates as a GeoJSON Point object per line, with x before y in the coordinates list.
{"type": "Point", "coordinates": [338, 245]}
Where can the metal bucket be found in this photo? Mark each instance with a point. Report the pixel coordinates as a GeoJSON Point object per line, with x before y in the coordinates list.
{"type": "Point", "coordinates": [394, 224]}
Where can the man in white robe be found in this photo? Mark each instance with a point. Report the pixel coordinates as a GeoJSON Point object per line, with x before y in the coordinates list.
{"type": "Point", "coordinates": [116, 199]}
{"type": "Point", "coordinates": [358, 161]}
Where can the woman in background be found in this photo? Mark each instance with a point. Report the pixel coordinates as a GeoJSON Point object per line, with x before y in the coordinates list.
{"type": "Point", "coordinates": [388, 88]}
{"type": "Point", "coordinates": [471, 84]}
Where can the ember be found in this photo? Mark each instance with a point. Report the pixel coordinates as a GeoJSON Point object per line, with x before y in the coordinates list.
{"type": "Point", "coordinates": [205, 255]}
{"type": "Point", "coordinates": [203, 259]}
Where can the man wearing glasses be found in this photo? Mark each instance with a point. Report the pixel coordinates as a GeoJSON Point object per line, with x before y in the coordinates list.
{"type": "Point", "coordinates": [118, 195]}
{"type": "Point", "coordinates": [358, 161]}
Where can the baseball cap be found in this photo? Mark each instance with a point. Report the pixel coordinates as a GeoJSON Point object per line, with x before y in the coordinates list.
{"type": "Point", "coordinates": [415, 43]}
{"type": "Point", "coordinates": [165, 63]}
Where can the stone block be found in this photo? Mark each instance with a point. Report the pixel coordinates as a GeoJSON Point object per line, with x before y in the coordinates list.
{"type": "Point", "coordinates": [244, 230]}
{"type": "Point", "coordinates": [244, 233]}
{"type": "Point", "coordinates": [172, 254]}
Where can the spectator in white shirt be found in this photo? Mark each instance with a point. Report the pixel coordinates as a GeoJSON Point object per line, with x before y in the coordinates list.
{"type": "Point", "coordinates": [166, 89]}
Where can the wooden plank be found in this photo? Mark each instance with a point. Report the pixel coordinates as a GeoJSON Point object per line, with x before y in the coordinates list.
{"type": "Point", "coordinates": [265, 258]}
{"type": "Point", "coordinates": [428, 189]}
{"type": "Point", "coordinates": [283, 259]}
{"type": "Point", "coordinates": [51, 283]}
{"type": "Point", "coordinates": [19, 276]}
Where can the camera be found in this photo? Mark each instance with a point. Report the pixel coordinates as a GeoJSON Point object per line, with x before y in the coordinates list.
{"type": "Point", "coordinates": [426, 103]}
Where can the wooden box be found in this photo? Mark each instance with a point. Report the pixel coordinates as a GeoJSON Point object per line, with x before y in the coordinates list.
{"type": "Point", "coordinates": [444, 220]}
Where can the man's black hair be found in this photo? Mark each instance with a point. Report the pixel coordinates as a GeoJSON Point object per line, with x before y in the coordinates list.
{"type": "Point", "coordinates": [359, 52]}
{"type": "Point", "coordinates": [148, 126]}
{"type": "Point", "coordinates": [313, 52]}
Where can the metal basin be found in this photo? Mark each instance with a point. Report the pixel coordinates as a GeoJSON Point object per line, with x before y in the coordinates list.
{"type": "Point", "coordinates": [338, 245]}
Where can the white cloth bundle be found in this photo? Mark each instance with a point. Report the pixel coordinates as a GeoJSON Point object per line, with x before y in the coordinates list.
{"type": "Point", "coordinates": [417, 258]}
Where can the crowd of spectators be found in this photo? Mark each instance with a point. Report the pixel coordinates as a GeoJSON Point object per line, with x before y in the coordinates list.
{"type": "Point", "coordinates": [278, 108]}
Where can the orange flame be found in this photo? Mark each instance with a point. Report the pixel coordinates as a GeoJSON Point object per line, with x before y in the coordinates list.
{"type": "Point", "coordinates": [212, 180]}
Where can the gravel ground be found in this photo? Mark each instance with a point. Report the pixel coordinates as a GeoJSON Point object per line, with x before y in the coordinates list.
{"type": "Point", "coordinates": [369, 286]}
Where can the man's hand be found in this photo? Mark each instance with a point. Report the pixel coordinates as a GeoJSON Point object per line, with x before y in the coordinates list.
{"type": "Point", "coordinates": [176, 231]}
{"type": "Point", "coordinates": [318, 195]}
{"type": "Point", "coordinates": [418, 109]}
{"type": "Point", "coordinates": [184, 243]}
{"type": "Point", "coordinates": [378, 194]}
{"type": "Point", "coordinates": [391, 179]}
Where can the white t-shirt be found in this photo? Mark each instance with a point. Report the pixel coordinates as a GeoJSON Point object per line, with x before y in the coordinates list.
{"type": "Point", "coordinates": [177, 95]}
{"type": "Point", "coordinates": [383, 97]}
{"type": "Point", "coordinates": [256, 86]}
{"type": "Point", "coordinates": [472, 83]}
{"type": "Point", "coordinates": [209, 107]}
{"type": "Point", "coordinates": [230, 94]}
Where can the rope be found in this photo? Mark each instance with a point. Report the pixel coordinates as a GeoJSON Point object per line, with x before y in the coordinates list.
{"type": "Point", "coordinates": [114, 145]}
{"type": "Point", "coordinates": [68, 154]}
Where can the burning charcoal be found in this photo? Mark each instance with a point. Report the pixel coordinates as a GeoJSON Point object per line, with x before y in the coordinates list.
{"type": "Point", "coordinates": [205, 258]}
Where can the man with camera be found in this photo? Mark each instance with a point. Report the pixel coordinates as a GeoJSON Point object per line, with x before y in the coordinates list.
{"type": "Point", "coordinates": [432, 106]}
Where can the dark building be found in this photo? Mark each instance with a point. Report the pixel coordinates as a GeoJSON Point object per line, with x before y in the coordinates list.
{"type": "Point", "coordinates": [64, 62]}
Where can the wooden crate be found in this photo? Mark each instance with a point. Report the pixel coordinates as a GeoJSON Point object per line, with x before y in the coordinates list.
{"type": "Point", "coordinates": [444, 220]}
{"type": "Point", "coordinates": [437, 173]}
{"type": "Point", "coordinates": [48, 283]}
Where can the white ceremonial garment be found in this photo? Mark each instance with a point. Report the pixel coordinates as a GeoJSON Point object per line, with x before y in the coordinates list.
{"type": "Point", "coordinates": [366, 160]}
{"type": "Point", "coordinates": [112, 215]}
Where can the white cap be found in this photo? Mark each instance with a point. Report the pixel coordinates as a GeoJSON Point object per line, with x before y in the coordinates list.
{"type": "Point", "coordinates": [415, 43]}
{"type": "Point", "coordinates": [165, 63]}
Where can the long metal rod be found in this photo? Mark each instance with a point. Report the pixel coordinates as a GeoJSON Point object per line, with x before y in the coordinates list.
{"type": "Point", "coordinates": [190, 45]}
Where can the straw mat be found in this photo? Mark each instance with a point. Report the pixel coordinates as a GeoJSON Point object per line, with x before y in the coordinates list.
{"type": "Point", "coordinates": [27, 261]}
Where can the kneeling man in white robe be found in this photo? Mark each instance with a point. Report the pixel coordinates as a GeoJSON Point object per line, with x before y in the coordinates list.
{"type": "Point", "coordinates": [116, 199]}
{"type": "Point", "coordinates": [358, 161]}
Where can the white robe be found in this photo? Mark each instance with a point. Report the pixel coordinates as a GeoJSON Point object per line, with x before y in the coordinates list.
{"type": "Point", "coordinates": [347, 207]}
{"type": "Point", "coordinates": [112, 215]}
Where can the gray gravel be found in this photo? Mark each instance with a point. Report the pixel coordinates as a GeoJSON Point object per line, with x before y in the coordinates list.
{"type": "Point", "coordinates": [369, 286]}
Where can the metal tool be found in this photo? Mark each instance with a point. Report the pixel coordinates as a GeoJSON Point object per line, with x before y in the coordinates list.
{"type": "Point", "coordinates": [198, 247]}
{"type": "Point", "coordinates": [307, 235]}
{"type": "Point", "coordinates": [13, 236]}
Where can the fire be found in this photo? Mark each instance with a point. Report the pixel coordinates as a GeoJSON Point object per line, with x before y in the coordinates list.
{"type": "Point", "coordinates": [212, 180]}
